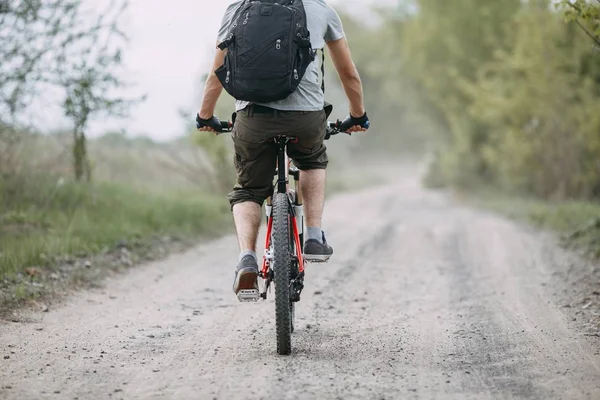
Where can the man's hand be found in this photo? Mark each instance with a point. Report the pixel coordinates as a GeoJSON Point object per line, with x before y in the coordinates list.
{"type": "Point", "coordinates": [355, 128]}
{"type": "Point", "coordinates": [353, 124]}
{"type": "Point", "coordinates": [206, 129]}
{"type": "Point", "coordinates": [211, 124]}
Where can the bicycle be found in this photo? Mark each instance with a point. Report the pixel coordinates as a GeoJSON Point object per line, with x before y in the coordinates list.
{"type": "Point", "coordinates": [283, 260]}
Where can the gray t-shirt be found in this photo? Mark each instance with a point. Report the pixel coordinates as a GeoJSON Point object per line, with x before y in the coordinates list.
{"type": "Point", "coordinates": [325, 26]}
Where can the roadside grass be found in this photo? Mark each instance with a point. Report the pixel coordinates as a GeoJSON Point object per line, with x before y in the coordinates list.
{"type": "Point", "coordinates": [42, 219]}
{"type": "Point", "coordinates": [577, 222]}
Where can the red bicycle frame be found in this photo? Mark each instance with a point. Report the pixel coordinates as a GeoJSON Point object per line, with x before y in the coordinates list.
{"type": "Point", "coordinates": [283, 183]}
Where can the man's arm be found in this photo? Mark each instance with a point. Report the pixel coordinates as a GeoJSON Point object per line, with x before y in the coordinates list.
{"type": "Point", "coordinates": [212, 88]}
{"type": "Point", "coordinates": [342, 60]}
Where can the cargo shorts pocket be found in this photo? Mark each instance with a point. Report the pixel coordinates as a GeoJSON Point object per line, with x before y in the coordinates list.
{"type": "Point", "coordinates": [254, 162]}
{"type": "Point", "coordinates": [247, 148]}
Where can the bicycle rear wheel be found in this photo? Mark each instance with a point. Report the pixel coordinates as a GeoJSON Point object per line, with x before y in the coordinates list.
{"type": "Point", "coordinates": [281, 261]}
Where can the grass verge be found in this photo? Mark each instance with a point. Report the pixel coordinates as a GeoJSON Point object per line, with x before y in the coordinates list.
{"type": "Point", "coordinates": [578, 222]}
{"type": "Point", "coordinates": [43, 223]}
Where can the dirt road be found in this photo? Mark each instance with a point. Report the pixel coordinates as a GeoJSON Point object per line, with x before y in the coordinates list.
{"type": "Point", "coordinates": [424, 299]}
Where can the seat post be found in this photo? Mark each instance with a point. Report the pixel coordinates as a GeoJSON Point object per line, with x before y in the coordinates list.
{"type": "Point", "coordinates": [282, 178]}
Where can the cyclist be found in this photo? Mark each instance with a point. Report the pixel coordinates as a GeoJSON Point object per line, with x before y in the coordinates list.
{"type": "Point", "coordinates": [300, 115]}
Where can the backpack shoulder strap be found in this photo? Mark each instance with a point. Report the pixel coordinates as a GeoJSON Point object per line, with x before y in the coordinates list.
{"type": "Point", "coordinates": [294, 3]}
{"type": "Point", "coordinates": [232, 25]}
{"type": "Point", "coordinates": [299, 4]}
{"type": "Point", "coordinates": [323, 69]}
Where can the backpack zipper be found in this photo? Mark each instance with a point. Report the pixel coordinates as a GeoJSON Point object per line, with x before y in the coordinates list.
{"type": "Point", "coordinates": [278, 44]}
{"type": "Point", "coordinates": [294, 22]}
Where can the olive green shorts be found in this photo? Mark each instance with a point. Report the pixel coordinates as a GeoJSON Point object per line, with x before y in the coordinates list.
{"type": "Point", "coordinates": [256, 154]}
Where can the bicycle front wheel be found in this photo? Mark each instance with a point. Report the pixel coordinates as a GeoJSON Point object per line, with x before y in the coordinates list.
{"type": "Point", "coordinates": [281, 261]}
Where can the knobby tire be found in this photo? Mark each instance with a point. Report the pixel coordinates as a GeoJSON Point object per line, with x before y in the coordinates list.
{"type": "Point", "coordinates": [281, 260]}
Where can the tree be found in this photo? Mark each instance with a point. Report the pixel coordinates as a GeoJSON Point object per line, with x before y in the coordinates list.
{"type": "Point", "coordinates": [539, 101]}
{"type": "Point", "coordinates": [444, 45]}
{"type": "Point", "coordinates": [585, 14]}
{"type": "Point", "coordinates": [512, 92]}
{"type": "Point", "coordinates": [61, 46]}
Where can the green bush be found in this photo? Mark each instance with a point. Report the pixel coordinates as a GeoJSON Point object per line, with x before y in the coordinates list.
{"type": "Point", "coordinates": [511, 90]}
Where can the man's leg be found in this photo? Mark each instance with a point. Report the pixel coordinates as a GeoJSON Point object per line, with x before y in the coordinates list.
{"type": "Point", "coordinates": [312, 188]}
{"type": "Point", "coordinates": [255, 164]}
{"type": "Point", "coordinates": [247, 221]}
{"type": "Point", "coordinates": [247, 216]}
{"type": "Point", "coordinates": [310, 156]}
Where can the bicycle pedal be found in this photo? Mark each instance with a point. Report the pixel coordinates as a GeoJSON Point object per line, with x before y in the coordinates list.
{"type": "Point", "coordinates": [317, 259]}
{"type": "Point", "coordinates": [248, 295]}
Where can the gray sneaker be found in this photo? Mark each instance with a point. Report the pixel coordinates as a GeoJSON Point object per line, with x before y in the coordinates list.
{"type": "Point", "coordinates": [245, 284]}
{"type": "Point", "coordinates": [315, 251]}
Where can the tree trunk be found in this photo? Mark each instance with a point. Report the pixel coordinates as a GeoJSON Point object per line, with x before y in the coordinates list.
{"type": "Point", "coordinates": [81, 162]}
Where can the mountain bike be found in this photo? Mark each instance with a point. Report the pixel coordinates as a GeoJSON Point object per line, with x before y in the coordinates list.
{"type": "Point", "coordinates": [283, 261]}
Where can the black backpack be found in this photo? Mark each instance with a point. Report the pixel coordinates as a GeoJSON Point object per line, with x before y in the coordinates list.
{"type": "Point", "coordinates": [268, 50]}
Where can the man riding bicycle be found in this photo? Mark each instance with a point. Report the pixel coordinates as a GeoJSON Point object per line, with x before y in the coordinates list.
{"type": "Point", "coordinates": [300, 115]}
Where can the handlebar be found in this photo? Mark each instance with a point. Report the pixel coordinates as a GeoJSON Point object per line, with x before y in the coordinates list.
{"type": "Point", "coordinates": [227, 126]}
{"type": "Point", "coordinates": [332, 128]}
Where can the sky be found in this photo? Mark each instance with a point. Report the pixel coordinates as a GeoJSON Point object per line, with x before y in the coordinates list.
{"type": "Point", "coordinates": [171, 46]}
